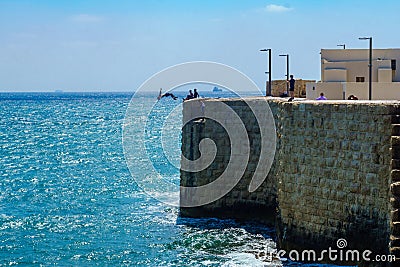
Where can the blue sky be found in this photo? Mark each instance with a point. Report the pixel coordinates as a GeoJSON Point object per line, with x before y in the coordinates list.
{"type": "Point", "coordinates": [97, 45]}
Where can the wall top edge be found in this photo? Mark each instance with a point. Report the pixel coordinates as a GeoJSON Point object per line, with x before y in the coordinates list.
{"type": "Point", "coordinates": [302, 101]}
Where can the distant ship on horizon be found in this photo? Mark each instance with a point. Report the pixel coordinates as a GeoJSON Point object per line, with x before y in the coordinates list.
{"type": "Point", "coordinates": [216, 89]}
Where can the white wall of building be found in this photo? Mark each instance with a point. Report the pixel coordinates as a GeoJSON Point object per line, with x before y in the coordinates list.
{"type": "Point", "coordinates": [360, 90]}
{"type": "Point", "coordinates": [385, 75]}
{"type": "Point", "coordinates": [335, 75]}
{"type": "Point", "coordinates": [385, 91]}
{"type": "Point", "coordinates": [332, 90]}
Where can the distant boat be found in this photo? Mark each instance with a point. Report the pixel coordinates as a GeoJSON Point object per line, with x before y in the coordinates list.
{"type": "Point", "coordinates": [58, 91]}
{"type": "Point", "coordinates": [216, 89]}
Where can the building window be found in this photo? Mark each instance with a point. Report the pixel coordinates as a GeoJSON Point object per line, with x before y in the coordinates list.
{"type": "Point", "coordinates": [393, 64]}
{"type": "Point", "coordinates": [360, 79]}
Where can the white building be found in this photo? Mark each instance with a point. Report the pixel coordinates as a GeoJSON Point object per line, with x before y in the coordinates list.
{"type": "Point", "coordinates": [345, 72]}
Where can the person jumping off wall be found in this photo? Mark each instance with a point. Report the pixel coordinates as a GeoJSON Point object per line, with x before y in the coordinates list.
{"type": "Point", "coordinates": [160, 95]}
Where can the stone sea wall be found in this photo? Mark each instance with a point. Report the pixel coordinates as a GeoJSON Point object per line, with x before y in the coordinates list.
{"type": "Point", "coordinates": [334, 173]}
{"type": "Point", "coordinates": [238, 202]}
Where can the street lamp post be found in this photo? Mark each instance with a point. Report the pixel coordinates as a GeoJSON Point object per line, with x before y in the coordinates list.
{"type": "Point", "coordinates": [342, 45]}
{"type": "Point", "coordinates": [369, 65]}
{"type": "Point", "coordinates": [287, 72]}
{"type": "Point", "coordinates": [269, 89]}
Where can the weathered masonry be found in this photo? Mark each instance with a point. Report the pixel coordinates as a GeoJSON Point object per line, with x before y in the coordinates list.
{"type": "Point", "coordinates": [335, 174]}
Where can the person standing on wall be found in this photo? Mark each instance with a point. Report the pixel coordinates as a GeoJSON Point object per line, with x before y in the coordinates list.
{"type": "Point", "coordinates": [291, 87]}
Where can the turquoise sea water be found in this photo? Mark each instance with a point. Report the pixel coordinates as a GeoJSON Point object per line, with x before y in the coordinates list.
{"type": "Point", "coordinates": [67, 197]}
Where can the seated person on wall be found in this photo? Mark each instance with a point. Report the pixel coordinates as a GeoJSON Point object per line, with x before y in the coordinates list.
{"type": "Point", "coordinates": [352, 97]}
{"type": "Point", "coordinates": [322, 97]}
{"type": "Point", "coordinates": [284, 94]}
{"type": "Point", "coordinates": [189, 96]}
{"type": "Point", "coordinates": [195, 94]}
